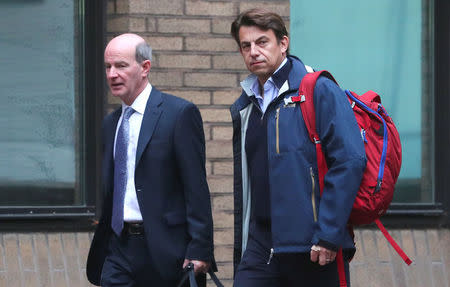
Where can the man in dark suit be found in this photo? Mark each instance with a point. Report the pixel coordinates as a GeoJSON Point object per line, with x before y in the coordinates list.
{"type": "Point", "coordinates": [156, 215]}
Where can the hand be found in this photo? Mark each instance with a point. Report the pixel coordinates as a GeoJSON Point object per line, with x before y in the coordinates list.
{"type": "Point", "coordinates": [199, 266]}
{"type": "Point", "coordinates": [322, 255]}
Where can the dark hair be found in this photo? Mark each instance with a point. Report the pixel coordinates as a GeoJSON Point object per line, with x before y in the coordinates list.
{"type": "Point", "coordinates": [262, 19]}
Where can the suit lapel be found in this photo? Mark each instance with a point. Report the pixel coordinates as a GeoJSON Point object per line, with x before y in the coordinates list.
{"type": "Point", "coordinates": [151, 116]}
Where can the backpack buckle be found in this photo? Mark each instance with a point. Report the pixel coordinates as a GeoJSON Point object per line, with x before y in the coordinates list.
{"type": "Point", "coordinates": [294, 99]}
{"type": "Point", "coordinates": [289, 102]}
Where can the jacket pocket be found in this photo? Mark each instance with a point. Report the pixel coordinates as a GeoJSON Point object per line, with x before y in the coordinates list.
{"type": "Point", "coordinates": [175, 218]}
{"type": "Point", "coordinates": [289, 134]}
{"type": "Point", "coordinates": [313, 193]}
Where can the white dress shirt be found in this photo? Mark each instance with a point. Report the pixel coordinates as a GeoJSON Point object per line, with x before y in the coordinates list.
{"type": "Point", "coordinates": [131, 211]}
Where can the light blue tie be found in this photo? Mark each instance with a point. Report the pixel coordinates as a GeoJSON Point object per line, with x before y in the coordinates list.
{"type": "Point", "coordinates": [120, 171]}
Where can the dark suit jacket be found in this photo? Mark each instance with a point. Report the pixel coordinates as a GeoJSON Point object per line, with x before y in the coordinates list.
{"type": "Point", "coordinates": [171, 187]}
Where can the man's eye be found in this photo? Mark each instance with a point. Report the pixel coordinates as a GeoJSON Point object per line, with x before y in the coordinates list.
{"type": "Point", "coordinates": [120, 65]}
{"type": "Point", "coordinates": [262, 43]}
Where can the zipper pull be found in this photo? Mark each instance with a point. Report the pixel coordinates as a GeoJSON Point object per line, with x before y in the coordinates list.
{"type": "Point", "coordinates": [270, 256]}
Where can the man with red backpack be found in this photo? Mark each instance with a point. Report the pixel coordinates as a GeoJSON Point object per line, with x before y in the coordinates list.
{"type": "Point", "coordinates": [286, 233]}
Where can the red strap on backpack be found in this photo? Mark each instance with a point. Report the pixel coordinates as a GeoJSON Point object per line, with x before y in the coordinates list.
{"type": "Point", "coordinates": [392, 242]}
{"type": "Point", "coordinates": [341, 269]}
{"type": "Point", "coordinates": [306, 99]}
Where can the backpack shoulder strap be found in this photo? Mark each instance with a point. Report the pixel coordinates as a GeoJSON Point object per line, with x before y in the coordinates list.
{"type": "Point", "coordinates": [306, 98]}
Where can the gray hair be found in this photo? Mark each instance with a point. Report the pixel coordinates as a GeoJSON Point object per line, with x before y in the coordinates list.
{"type": "Point", "coordinates": [143, 52]}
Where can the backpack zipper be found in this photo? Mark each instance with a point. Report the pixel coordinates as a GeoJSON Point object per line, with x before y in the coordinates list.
{"type": "Point", "coordinates": [313, 194]}
{"type": "Point", "coordinates": [385, 138]}
{"type": "Point", "coordinates": [277, 130]}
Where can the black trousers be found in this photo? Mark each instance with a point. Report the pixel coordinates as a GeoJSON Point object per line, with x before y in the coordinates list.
{"type": "Point", "coordinates": [128, 264]}
{"type": "Point", "coordinates": [284, 270]}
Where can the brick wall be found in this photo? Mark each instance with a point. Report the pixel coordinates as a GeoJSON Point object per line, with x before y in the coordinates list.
{"type": "Point", "coordinates": [196, 59]}
{"type": "Point", "coordinates": [376, 264]}
{"type": "Point", "coordinates": [44, 260]}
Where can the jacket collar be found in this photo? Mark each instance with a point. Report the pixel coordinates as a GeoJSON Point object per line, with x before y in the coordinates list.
{"type": "Point", "coordinates": [278, 78]}
{"type": "Point", "coordinates": [282, 74]}
{"type": "Point", "coordinates": [152, 113]}
{"type": "Point", "coordinates": [287, 79]}
{"type": "Point", "coordinates": [298, 71]}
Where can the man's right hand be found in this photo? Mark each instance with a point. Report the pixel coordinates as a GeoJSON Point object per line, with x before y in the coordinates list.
{"type": "Point", "coordinates": [199, 266]}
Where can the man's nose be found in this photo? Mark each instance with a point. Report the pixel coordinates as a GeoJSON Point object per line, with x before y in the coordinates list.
{"type": "Point", "coordinates": [111, 72]}
{"type": "Point", "coordinates": [254, 51]}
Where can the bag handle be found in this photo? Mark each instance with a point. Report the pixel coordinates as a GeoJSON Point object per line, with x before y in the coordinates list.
{"type": "Point", "coordinates": [189, 273]}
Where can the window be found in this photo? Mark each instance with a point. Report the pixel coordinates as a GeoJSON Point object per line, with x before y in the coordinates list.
{"type": "Point", "coordinates": [389, 47]}
{"type": "Point", "coordinates": [47, 149]}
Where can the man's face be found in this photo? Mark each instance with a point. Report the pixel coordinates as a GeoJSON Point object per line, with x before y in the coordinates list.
{"type": "Point", "coordinates": [126, 77]}
{"type": "Point", "coordinates": [262, 52]}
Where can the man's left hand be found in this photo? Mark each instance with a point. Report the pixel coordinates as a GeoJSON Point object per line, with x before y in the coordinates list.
{"type": "Point", "coordinates": [199, 266]}
{"type": "Point", "coordinates": [322, 255]}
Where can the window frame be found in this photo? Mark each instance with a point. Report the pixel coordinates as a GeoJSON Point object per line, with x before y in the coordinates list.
{"type": "Point", "coordinates": [79, 216]}
{"type": "Point", "coordinates": [434, 214]}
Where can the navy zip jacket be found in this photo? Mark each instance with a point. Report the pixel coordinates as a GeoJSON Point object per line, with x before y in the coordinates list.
{"type": "Point", "coordinates": [299, 216]}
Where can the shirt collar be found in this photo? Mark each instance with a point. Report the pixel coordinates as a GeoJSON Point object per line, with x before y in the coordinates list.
{"type": "Point", "coordinates": [140, 102]}
{"type": "Point", "coordinates": [279, 77]}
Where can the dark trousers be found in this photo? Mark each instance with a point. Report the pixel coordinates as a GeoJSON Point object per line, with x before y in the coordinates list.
{"type": "Point", "coordinates": [284, 270]}
{"type": "Point", "coordinates": [128, 264]}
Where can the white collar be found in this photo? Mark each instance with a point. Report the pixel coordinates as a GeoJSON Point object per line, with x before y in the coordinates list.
{"type": "Point", "coordinates": [140, 102]}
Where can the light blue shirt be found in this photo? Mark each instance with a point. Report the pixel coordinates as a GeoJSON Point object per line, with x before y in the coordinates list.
{"type": "Point", "coordinates": [270, 90]}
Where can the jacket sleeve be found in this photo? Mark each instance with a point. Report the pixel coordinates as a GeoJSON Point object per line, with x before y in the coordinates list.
{"type": "Point", "coordinates": [344, 152]}
{"type": "Point", "coordinates": [189, 142]}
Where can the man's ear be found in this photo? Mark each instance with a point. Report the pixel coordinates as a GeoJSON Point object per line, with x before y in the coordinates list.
{"type": "Point", "coordinates": [284, 43]}
{"type": "Point", "coordinates": [146, 65]}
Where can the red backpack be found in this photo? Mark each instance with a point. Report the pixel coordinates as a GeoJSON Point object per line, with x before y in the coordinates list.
{"type": "Point", "coordinates": [383, 153]}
